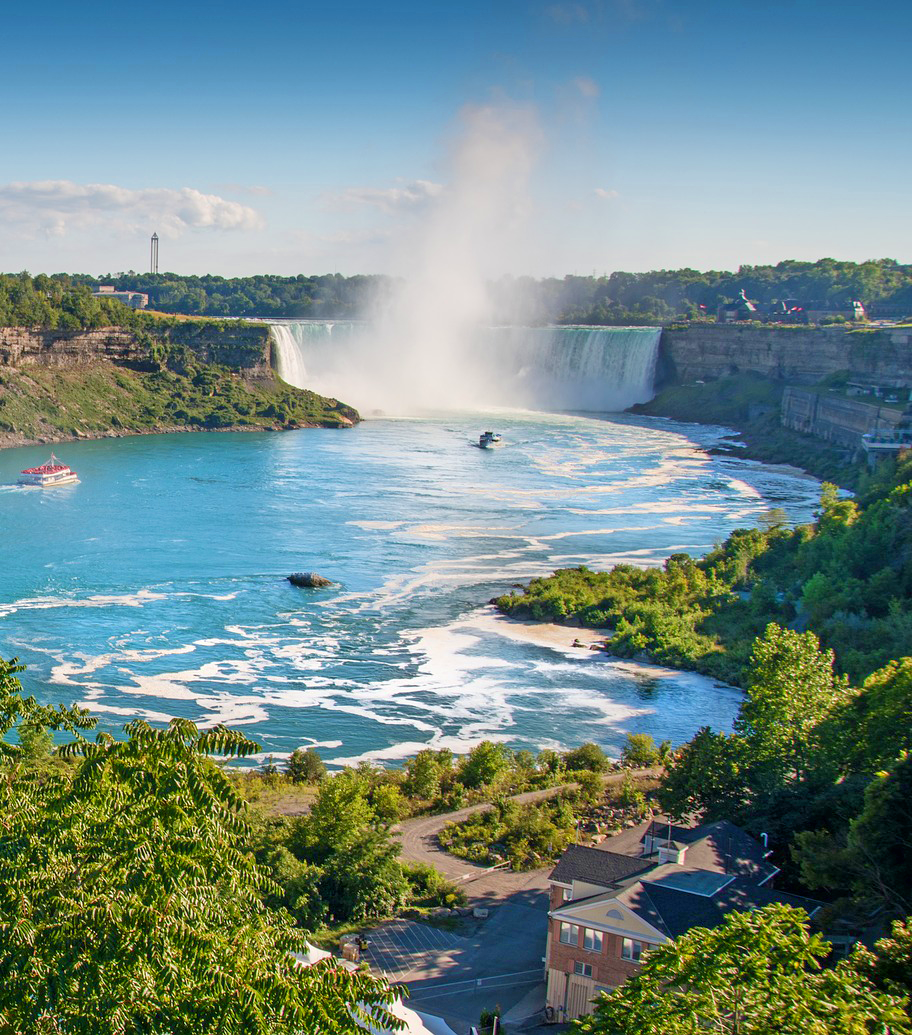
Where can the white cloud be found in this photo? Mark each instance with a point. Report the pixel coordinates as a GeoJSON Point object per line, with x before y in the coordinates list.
{"type": "Point", "coordinates": [58, 207]}
{"type": "Point", "coordinates": [586, 86]}
{"type": "Point", "coordinates": [605, 193]}
{"type": "Point", "coordinates": [255, 190]}
{"type": "Point", "coordinates": [414, 195]}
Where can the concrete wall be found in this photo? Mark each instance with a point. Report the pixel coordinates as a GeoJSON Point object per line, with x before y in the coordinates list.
{"type": "Point", "coordinates": [802, 355]}
{"type": "Point", "coordinates": [833, 417]}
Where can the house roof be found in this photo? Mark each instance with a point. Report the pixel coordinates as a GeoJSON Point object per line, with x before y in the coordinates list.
{"type": "Point", "coordinates": [720, 847]}
{"type": "Point", "coordinates": [596, 866]}
{"type": "Point", "coordinates": [671, 910]}
{"type": "Point", "coordinates": [723, 870]}
{"type": "Point", "coordinates": [680, 911]}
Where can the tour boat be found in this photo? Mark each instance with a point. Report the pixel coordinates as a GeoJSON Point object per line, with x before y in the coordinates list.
{"type": "Point", "coordinates": [47, 475]}
{"type": "Point", "coordinates": [489, 439]}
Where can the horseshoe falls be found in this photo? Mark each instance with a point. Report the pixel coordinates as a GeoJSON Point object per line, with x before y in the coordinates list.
{"type": "Point", "coordinates": [578, 369]}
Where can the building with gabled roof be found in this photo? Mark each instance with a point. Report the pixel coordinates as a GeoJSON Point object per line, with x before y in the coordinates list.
{"type": "Point", "coordinates": [645, 887]}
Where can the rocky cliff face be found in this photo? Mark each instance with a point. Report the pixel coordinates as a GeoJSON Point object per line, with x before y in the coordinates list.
{"type": "Point", "coordinates": [243, 346]}
{"type": "Point", "coordinates": [792, 354]}
{"type": "Point", "coordinates": [25, 346]}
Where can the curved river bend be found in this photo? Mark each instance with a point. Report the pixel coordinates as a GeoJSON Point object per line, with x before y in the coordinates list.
{"type": "Point", "coordinates": [156, 586]}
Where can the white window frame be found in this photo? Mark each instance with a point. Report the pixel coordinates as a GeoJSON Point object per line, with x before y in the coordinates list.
{"type": "Point", "coordinates": [633, 950]}
{"type": "Point", "coordinates": [593, 940]}
{"type": "Point", "coordinates": [572, 932]}
{"type": "Point", "coordinates": [568, 894]}
{"type": "Point", "coordinates": [581, 969]}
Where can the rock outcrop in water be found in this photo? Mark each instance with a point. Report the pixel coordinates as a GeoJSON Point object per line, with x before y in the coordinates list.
{"type": "Point", "coordinates": [308, 580]}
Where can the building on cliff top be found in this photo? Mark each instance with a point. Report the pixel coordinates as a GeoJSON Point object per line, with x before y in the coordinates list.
{"type": "Point", "coordinates": [133, 299]}
{"type": "Point", "coordinates": [643, 888]}
{"type": "Point", "coordinates": [787, 310]}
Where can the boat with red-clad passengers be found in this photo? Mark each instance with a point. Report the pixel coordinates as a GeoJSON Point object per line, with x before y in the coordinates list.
{"type": "Point", "coordinates": [48, 475]}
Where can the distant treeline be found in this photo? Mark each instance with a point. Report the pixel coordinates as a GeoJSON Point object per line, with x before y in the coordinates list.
{"type": "Point", "coordinates": [660, 296]}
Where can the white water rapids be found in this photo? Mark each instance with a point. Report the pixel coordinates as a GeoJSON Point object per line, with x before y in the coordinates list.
{"type": "Point", "coordinates": [583, 369]}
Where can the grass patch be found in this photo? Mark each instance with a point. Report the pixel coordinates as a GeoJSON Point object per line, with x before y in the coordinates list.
{"type": "Point", "coordinates": [39, 403]}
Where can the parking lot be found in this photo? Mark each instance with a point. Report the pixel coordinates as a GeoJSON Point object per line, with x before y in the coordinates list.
{"type": "Point", "coordinates": [407, 948]}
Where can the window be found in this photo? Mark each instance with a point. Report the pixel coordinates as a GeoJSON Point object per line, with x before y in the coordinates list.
{"type": "Point", "coordinates": [632, 950]}
{"type": "Point", "coordinates": [568, 894]}
{"type": "Point", "coordinates": [592, 940]}
{"type": "Point", "coordinates": [582, 969]}
{"type": "Point", "coordinates": [569, 934]}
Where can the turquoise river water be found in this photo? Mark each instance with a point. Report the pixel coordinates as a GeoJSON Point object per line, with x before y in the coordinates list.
{"type": "Point", "coordinates": [156, 587]}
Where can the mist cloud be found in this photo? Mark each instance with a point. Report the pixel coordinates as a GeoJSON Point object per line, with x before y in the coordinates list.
{"type": "Point", "coordinates": [418, 354]}
{"type": "Point", "coordinates": [58, 207]}
{"type": "Point", "coordinates": [587, 87]}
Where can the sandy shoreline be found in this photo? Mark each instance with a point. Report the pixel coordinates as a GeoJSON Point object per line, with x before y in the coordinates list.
{"type": "Point", "coordinates": [545, 634]}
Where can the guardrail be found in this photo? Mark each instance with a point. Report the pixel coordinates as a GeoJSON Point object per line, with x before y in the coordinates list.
{"type": "Point", "coordinates": [519, 977]}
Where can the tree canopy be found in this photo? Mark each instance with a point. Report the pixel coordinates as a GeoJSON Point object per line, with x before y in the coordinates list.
{"type": "Point", "coordinates": [656, 296]}
{"type": "Point", "coordinates": [757, 973]}
{"type": "Point", "coordinates": [128, 904]}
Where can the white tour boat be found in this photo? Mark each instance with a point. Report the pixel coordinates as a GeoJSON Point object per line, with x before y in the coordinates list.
{"type": "Point", "coordinates": [47, 475]}
{"type": "Point", "coordinates": [489, 440]}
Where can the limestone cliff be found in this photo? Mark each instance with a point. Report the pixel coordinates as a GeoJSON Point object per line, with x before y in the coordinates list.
{"type": "Point", "coordinates": [798, 355]}
{"type": "Point", "coordinates": [180, 376]}
{"type": "Point", "coordinates": [241, 346]}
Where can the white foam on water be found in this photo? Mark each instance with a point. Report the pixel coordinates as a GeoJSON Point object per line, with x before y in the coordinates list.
{"type": "Point", "coordinates": [137, 599]}
{"type": "Point", "coordinates": [130, 713]}
{"type": "Point", "coordinates": [379, 525]}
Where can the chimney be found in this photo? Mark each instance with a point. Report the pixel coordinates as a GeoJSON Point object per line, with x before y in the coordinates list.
{"type": "Point", "coordinates": [672, 852]}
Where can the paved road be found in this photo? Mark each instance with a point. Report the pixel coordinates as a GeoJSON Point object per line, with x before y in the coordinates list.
{"type": "Point", "coordinates": [482, 885]}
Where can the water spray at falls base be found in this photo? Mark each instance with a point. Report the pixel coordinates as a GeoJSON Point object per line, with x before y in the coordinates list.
{"type": "Point", "coordinates": [583, 369]}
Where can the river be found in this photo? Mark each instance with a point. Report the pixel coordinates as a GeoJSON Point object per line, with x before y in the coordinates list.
{"type": "Point", "coordinates": [156, 586]}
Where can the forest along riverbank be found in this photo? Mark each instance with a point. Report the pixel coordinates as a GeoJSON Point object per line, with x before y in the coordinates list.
{"type": "Point", "coordinates": [844, 578]}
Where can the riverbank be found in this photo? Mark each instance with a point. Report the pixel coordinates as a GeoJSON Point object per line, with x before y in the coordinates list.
{"type": "Point", "coordinates": [751, 406]}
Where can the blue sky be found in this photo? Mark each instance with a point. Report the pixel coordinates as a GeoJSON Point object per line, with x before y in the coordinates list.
{"type": "Point", "coordinates": [313, 138]}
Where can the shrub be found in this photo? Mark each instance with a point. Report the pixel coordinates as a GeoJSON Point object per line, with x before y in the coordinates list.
{"type": "Point", "coordinates": [305, 766]}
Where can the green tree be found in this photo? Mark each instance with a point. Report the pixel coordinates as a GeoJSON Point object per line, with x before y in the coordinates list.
{"type": "Point", "coordinates": [640, 751]}
{"type": "Point", "coordinates": [706, 777]}
{"type": "Point", "coordinates": [878, 726]}
{"type": "Point", "coordinates": [791, 687]}
{"type": "Point", "coordinates": [758, 973]}
{"type": "Point", "coordinates": [422, 779]}
{"type": "Point", "coordinates": [587, 756]}
{"type": "Point", "coordinates": [871, 860]}
{"type": "Point", "coordinates": [484, 764]}
{"type": "Point", "coordinates": [305, 766]}
{"type": "Point", "coordinates": [344, 836]}
{"type": "Point", "coordinates": [889, 965]}
{"type": "Point", "coordinates": [128, 907]}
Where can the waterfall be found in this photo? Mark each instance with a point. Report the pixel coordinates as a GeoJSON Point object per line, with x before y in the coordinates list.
{"type": "Point", "coordinates": [594, 369]}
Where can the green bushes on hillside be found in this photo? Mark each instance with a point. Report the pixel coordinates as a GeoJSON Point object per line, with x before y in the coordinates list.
{"type": "Point", "coordinates": [848, 578]}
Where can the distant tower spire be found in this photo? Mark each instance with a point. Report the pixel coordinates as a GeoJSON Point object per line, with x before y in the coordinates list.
{"type": "Point", "coordinates": [153, 258]}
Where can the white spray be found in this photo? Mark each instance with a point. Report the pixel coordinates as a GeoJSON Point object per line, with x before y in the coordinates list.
{"type": "Point", "coordinates": [429, 345]}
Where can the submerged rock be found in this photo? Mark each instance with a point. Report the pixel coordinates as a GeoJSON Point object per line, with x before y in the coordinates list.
{"type": "Point", "coordinates": [308, 579]}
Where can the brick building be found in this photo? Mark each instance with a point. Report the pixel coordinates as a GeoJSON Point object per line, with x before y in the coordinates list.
{"type": "Point", "coordinates": [645, 887]}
